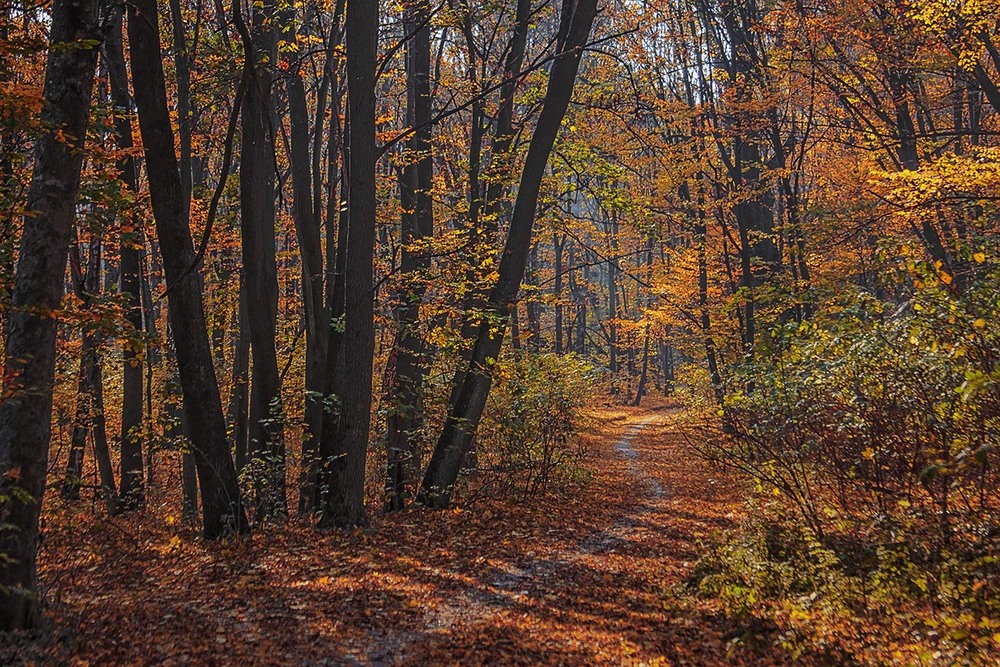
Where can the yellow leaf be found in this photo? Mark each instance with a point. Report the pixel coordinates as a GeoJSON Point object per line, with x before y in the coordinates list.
{"type": "Point", "coordinates": [945, 277]}
{"type": "Point", "coordinates": [979, 323]}
{"type": "Point", "coordinates": [980, 257]}
{"type": "Point", "coordinates": [869, 454]}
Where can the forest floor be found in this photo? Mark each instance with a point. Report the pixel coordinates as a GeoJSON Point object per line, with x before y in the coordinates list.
{"type": "Point", "coordinates": [593, 576]}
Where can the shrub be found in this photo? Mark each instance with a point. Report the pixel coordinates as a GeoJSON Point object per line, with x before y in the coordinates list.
{"type": "Point", "coordinates": [525, 442]}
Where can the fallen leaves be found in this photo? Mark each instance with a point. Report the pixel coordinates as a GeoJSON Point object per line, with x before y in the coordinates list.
{"type": "Point", "coordinates": [593, 578]}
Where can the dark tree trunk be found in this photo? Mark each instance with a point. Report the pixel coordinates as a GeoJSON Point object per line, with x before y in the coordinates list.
{"type": "Point", "coordinates": [222, 508]}
{"type": "Point", "coordinates": [612, 316]}
{"type": "Point", "coordinates": [557, 248]}
{"type": "Point", "coordinates": [640, 390]}
{"type": "Point", "coordinates": [257, 195]}
{"type": "Point", "coordinates": [336, 304]}
{"type": "Point", "coordinates": [239, 393]}
{"type": "Point", "coordinates": [310, 499]}
{"type": "Point", "coordinates": [486, 210]}
{"type": "Point", "coordinates": [26, 415]}
{"type": "Point", "coordinates": [90, 395]}
{"type": "Point", "coordinates": [345, 464]}
{"type": "Point", "coordinates": [132, 244]}
{"type": "Point", "coordinates": [406, 367]}
{"type": "Point", "coordinates": [711, 353]}
{"type": "Point", "coordinates": [463, 419]}
{"type": "Point", "coordinates": [189, 476]}
{"type": "Point", "coordinates": [532, 307]}
{"type": "Point", "coordinates": [307, 229]}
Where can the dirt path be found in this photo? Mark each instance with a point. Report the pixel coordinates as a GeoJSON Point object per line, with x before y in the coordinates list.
{"type": "Point", "coordinates": [540, 578]}
{"type": "Point", "coordinates": [604, 598]}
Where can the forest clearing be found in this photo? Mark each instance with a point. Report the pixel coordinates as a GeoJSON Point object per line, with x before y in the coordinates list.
{"type": "Point", "coordinates": [652, 332]}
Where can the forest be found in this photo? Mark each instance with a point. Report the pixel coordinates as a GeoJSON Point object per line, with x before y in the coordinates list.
{"type": "Point", "coordinates": [634, 332]}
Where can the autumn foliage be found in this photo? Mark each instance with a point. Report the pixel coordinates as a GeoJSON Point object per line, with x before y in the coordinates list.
{"type": "Point", "coordinates": [683, 314]}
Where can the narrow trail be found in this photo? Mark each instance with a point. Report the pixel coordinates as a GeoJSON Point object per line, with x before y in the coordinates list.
{"type": "Point", "coordinates": [505, 588]}
{"type": "Point", "coordinates": [535, 591]}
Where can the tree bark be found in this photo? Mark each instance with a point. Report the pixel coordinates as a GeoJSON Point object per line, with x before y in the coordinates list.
{"type": "Point", "coordinates": [25, 416]}
{"type": "Point", "coordinates": [222, 508]}
{"type": "Point", "coordinates": [407, 368]}
{"type": "Point", "coordinates": [307, 229]}
{"type": "Point", "coordinates": [132, 492]}
{"type": "Point", "coordinates": [345, 464]}
{"type": "Point", "coordinates": [257, 195]}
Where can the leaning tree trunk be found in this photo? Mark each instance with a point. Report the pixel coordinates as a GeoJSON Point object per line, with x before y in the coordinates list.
{"type": "Point", "coordinates": [29, 367]}
{"type": "Point", "coordinates": [485, 212]}
{"type": "Point", "coordinates": [464, 416]}
{"type": "Point", "coordinates": [222, 508]}
{"type": "Point", "coordinates": [345, 464]}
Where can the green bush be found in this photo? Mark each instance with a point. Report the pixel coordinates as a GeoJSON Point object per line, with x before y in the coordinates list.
{"type": "Point", "coordinates": [525, 443]}
{"type": "Point", "coordinates": [873, 432]}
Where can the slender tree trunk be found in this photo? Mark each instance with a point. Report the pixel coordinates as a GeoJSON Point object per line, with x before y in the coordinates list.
{"type": "Point", "coordinates": [336, 304]}
{"type": "Point", "coordinates": [345, 464]}
{"type": "Point", "coordinates": [29, 366]}
{"type": "Point", "coordinates": [81, 420]}
{"type": "Point", "coordinates": [222, 508]}
{"type": "Point", "coordinates": [532, 308]}
{"type": "Point", "coordinates": [407, 370]}
{"type": "Point", "coordinates": [132, 244]}
{"type": "Point", "coordinates": [557, 247]}
{"type": "Point", "coordinates": [463, 419]}
{"type": "Point", "coordinates": [189, 476]}
{"type": "Point", "coordinates": [239, 396]}
{"type": "Point", "coordinates": [612, 316]}
{"type": "Point", "coordinates": [257, 196]}
{"type": "Point", "coordinates": [307, 229]}
{"type": "Point", "coordinates": [640, 390]}
{"type": "Point", "coordinates": [711, 354]}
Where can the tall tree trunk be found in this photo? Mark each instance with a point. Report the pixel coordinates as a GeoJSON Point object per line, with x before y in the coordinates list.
{"type": "Point", "coordinates": [257, 196]}
{"type": "Point", "coordinates": [345, 464]}
{"type": "Point", "coordinates": [701, 243]}
{"type": "Point", "coordinates": [307, 229]}
{"type": "Point", "coordinates": [485, 210]}
{"type": "Point", "coordinates": [26, 415]}
{"type": "Point", "coordinates": [90, 395]}
{"type": "Point", "coordinates": [132, 244]}
{"type": "Point", "coordinates": [407, 370]}
{"type": "Point", "coordinates": [463, 419]}
{"type": "Point", "coordinates": [640, 389]}
{"type": "Point", "coordinates": [532, 307]}
{"type": "Point", "coordinates": [222, 508]}
{"type": "Point", "coordinates": [336, 304]}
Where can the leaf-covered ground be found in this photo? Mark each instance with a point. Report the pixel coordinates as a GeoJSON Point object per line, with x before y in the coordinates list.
{"type": "Point", "coordinates": [594, 577]}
